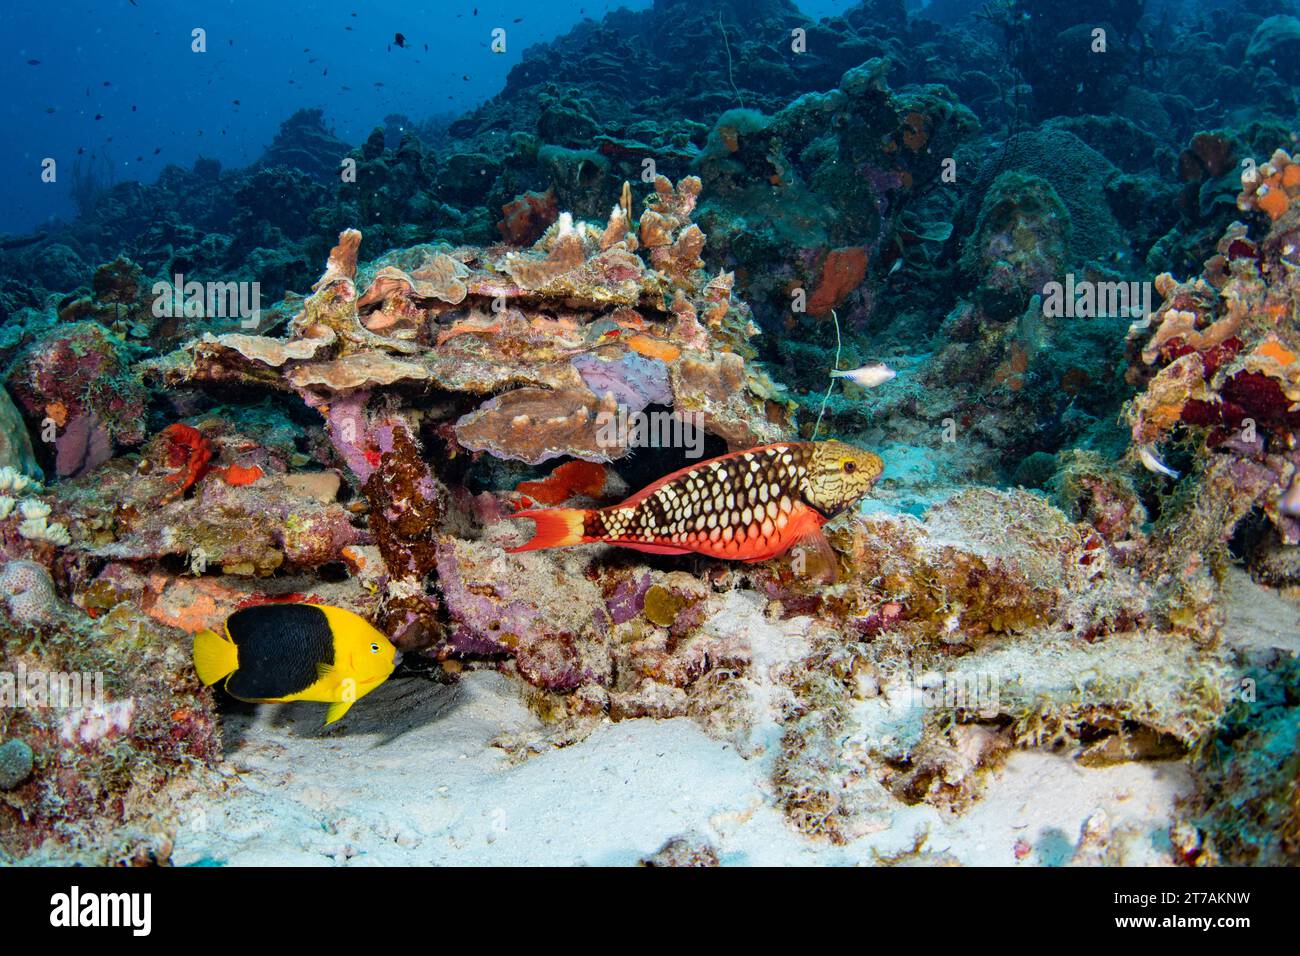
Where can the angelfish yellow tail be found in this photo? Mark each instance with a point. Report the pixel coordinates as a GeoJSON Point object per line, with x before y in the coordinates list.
{"type": "Point", "coordinates": [215, 656]}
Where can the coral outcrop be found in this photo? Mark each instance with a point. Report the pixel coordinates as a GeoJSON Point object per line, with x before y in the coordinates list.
{"type": "Point", "coordinates": [557, 338]}
{"type": "Point", "coordinates": [525, 355]}
{"type": "Point", "coordinates": [77, 380]}
{"type": "Point", "coordinates": [1219, 362]}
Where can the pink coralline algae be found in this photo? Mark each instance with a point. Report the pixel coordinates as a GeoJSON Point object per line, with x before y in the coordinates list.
{"type": "Point", "coordinates": [349, 430]}
{"type": "Point", "coordinates": [77, 379]}
{"type": "Point", "coordinates": [556, 646]}
{"type": "Point", "coordinates": [627, 597]}
{"type": "Point", "coordinates": [482, 622]}
{"type": "Point", "coordinates": [83, 446]}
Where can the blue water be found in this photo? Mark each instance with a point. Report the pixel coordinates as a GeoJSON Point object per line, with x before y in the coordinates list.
{"type": "Point", "coordinates": [120, 82]}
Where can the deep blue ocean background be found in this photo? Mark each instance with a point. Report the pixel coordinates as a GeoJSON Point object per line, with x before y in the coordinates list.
{"type": "Point", "coordinates": [119, 80]}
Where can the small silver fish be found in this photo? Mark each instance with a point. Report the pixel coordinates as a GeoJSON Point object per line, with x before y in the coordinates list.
{"type": "Point", "coordinates": [869, 376]}
{"type": "Point", "coordinates": [1289, 504]}
{"type": "Point", "coordinates": [1151, 462]}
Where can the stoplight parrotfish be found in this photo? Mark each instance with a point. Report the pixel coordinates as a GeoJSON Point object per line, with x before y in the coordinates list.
{"type": "Point", "coordinates": [747, 506]}
{"type": "Point", "coordinates": [275, 653]}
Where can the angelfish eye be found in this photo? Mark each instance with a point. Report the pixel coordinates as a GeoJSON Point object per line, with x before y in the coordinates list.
{"type": "Point", "coordinates": [850, 467]}
{"type": "Point", "coordinates": [374, 648]}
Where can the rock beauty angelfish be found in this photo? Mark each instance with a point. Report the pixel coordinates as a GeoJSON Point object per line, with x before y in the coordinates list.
{"type": "Point", "coordinates": [275, 653]}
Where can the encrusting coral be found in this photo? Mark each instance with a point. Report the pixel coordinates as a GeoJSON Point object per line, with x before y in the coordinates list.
{"type": "Point", "coordinates": [30, 515]}
{"type": "Point", "coordinates": [522, 327]}
{"type": "Point", "coordinates": [1219, 361]}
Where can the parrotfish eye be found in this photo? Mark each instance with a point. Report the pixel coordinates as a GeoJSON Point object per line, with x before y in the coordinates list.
{"type": "Point", "coordinates": [374, 648]}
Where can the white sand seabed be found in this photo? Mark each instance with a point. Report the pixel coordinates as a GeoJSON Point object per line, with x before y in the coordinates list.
{"type": "Point", "coordinates": [411, 776]}
{"type": "Point", "coordinates": [414, 780]}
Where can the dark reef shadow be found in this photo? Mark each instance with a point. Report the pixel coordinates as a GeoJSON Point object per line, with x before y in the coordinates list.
{"type": "Point", "coordinates": [396, 707]}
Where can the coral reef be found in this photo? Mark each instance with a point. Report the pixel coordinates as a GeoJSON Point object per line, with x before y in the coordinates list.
{"type": "Point", "coordinates": [109, 722]}
{"type": "Point", "coordinates": [1246, 805]}
{"type": "Point", "coordinates": [974, 624]}
{"type": "Point", "coordinates": [560, 291]}
{"type": "Point", "coordinates": [78, 378]}
{"type": "Point", "coordinates": [1220, 374]}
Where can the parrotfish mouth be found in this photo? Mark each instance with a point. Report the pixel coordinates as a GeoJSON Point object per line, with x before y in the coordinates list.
{"type": "Point", "coordinates": [847, 506]}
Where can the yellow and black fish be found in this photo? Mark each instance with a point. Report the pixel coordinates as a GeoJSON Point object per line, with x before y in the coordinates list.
{"type": "Point", "coordinates": [747, 506]}
{"type": "Point", "coordinates": [274, 653]}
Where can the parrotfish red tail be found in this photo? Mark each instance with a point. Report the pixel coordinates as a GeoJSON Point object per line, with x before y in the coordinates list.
{"type": "Point", "coordinates": [555, 528]}
{"type": "Point", "coordinates": [215, 656]}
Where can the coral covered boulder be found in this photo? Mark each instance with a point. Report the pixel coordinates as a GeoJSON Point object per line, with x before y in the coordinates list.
{"type": "Point", "coordinates": [1219, 361]}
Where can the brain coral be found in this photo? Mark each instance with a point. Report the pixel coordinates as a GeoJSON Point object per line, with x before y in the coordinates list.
{"type": "Point", "coordinates": [1078, 173]}
{"type": "Point", "coordinates": [29, 592]}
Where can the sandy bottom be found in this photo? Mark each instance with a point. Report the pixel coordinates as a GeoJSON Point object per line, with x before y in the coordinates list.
{"type": "Point", "coordinates": [414, 779]}
{"type": "Point", "coordinates": [411, 776]}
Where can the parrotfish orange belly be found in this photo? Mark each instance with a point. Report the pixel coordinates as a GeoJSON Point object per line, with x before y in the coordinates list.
{"type": "Point", "coordinates": [744, 506]}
